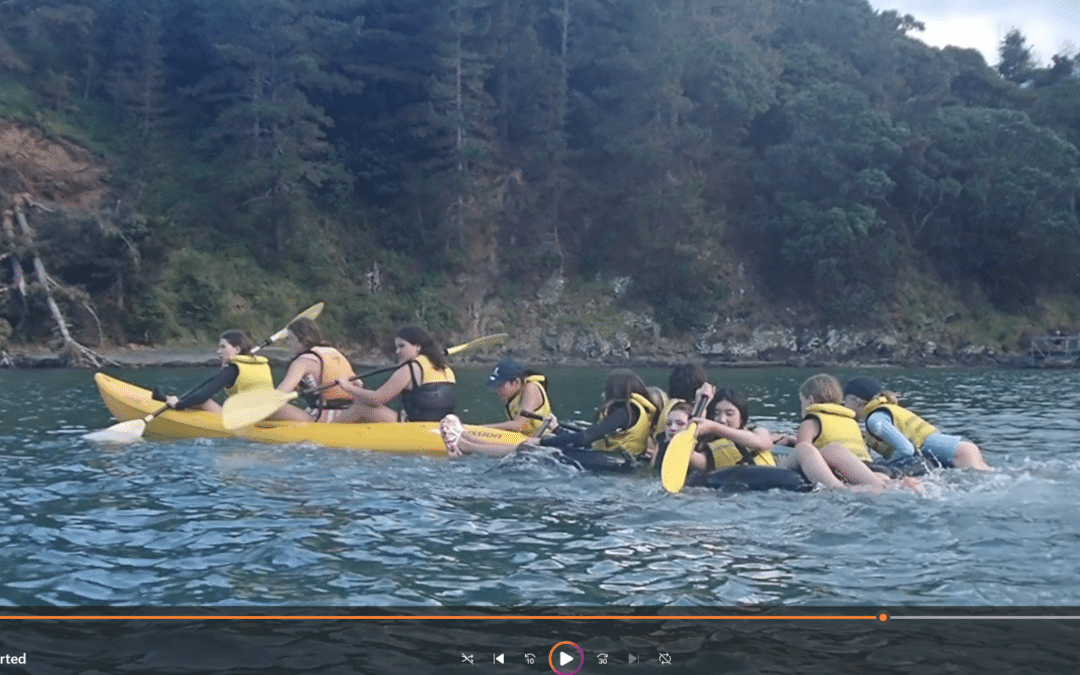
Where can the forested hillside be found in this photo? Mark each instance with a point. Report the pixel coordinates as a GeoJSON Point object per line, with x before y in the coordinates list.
{"type": "Point", "coordinates": [670, 166]}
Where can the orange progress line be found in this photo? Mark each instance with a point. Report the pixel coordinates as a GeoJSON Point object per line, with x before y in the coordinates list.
{"type": "Point", "coordinates": [515, 617]}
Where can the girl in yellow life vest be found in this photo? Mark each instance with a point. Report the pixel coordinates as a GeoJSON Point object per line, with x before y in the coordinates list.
{"type": "Point", "coordinates": [825, 440]}
{"type": "Point", "coordinates": [626, 420]}
{"type": "Point", "coordinates": [239, 372]}
{"type": "Point", "coordinates": [896, 432]}
{"type": "Point", "coordinates": [521, 391]}
{"type": "Point", "coordinates": [685, 383]}
{"type": "Point", "coordinates": [677, 419]}
{"type": "Point", "coordinates": [315, 363]}
{"type": "Point", "coordinates": [424, 382]}
{"type": "Point", "coordinates": [732, 442]}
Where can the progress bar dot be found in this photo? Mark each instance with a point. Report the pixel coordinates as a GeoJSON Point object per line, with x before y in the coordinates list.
{"type": "Point", "coordinates": [883, 617]}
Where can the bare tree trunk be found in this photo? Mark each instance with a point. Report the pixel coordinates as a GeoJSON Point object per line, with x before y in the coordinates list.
{"type": "Point", "coordinates": [71, 352]}
{"type": "Point", "coordinates": [16, 267]}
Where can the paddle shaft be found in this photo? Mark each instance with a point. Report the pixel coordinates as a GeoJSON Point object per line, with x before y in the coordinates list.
{"type": "Point", "coordinates": [676, 458]}
{"type": "Point", "coordinates": [312, 313]}
{"type": "Point", "coordinates": [450, 351]}
{"type": "Point", "coordinates": [534, 416]}
{"type": "Point", "coordinates": [149, 418]}
{"type": "Point", "coordinates": [316, 390]}
{"type": "Point", "coordinates": [699, 409]}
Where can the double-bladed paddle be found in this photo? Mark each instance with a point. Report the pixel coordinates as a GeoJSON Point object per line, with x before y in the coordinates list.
{"type": "Point", "coordinates": [255, 405]}
{"type": "Point", "coordinates": [132, 430]}
{"type": "Point", "coordinates": [312, 313]}
{"type": "Point", "coordinates": [677, 457]}
{"type": "Point", "coordinates": [534, 416]}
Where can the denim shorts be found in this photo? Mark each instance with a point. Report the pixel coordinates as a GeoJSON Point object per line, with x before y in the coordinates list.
{"type": "Point", "coordinates": [941, 448]}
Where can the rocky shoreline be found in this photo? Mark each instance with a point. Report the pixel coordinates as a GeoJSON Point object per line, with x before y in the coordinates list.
{"type": "Point", "coordinates": [598, 353]}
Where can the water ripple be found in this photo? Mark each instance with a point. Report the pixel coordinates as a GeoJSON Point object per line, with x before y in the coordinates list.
{"type": "Point", "coordinates": [224, 522]}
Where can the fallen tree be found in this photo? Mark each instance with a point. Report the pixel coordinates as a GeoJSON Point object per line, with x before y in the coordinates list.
{"type": "Point", "coordinates": [21, 245]}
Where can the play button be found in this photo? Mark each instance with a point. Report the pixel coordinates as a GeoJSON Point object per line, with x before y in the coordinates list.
{"type": "Point", "coordinates": [566, 658]}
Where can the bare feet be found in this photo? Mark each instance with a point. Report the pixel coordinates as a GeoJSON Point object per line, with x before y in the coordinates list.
{"type": "Point", "coordinates": [451, 429]}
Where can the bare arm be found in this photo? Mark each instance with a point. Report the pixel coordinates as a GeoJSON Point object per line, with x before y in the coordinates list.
{"type": "Point", "coordinates": [807, 431]}
{"type": "Point", "coordinates": [698, 461]}
{"type": "Point", "coordinates": [305, 364]}
{"type": "Point", "coordinates": [756, 440]}
{"type": "Point", "coordinates": [531, 400]}
{"type": "Point", "coordinates": [389, 390]}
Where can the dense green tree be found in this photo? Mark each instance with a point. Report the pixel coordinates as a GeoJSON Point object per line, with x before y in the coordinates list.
{"type": "Point", "coordinates": [822, 188]}
{"type": "Point", "coordinates": [269, 137]}
{"type": "Point", "coordinates": [524, 138]}
{"type": "Point", "coordinates": [63, 40]}
{"type": "Point", "coordinates": [137, 78]}
{"type": "Point", "coordinates": [1016, 62]}
{"type": "Point", "coordinates": [999, 202]}
{"type": "Point", "coordinates": [462, 111]}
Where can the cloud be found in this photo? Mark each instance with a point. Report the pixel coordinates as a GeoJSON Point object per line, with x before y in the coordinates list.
{"type": "Point", "coordinates": [1050, 26]}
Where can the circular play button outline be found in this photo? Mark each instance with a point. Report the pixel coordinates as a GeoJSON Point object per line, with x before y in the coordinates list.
{"type": "Point", "coordinates": [580, 659]}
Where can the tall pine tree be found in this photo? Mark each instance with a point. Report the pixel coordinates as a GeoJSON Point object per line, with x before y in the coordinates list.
{"type": "Point", "coordinates": [269, 135]}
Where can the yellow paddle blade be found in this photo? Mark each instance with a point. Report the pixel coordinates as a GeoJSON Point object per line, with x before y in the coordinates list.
{"type": "Point", "coordinates": [249, 407]}
{"type": "Point", "coordinates": [124, 432]}
{"type": "Point", "coordinates": [312, 313]}
{"type": "Point", "coordinates": [478, 343]}
{"type": "Point", "coordinates": [677, 459]}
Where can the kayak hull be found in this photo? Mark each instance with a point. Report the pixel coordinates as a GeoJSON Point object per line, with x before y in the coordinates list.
{"type": "Point", "coordinates": [128, 401]}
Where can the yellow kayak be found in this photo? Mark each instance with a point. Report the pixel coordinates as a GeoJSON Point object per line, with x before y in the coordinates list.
{"type": "Point", "coordinates": [127, 401]}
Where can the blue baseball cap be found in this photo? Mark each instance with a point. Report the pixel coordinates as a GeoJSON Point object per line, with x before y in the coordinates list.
{"type": "Point", "coordinates": [507, 370]}
{"type": "Point", "coordinates": [866, 388]}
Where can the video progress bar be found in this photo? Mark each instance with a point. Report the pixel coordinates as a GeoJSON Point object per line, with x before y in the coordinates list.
{"type": "Point", "coordinates": [987, 617]}
{"type": "Point", "coordinates": [442, 617]}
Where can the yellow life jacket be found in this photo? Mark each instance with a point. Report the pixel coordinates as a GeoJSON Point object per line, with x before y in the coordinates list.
{"type": "Point", "coordinates": [915, 428]}
{"type": "Point", "coordinates": [428, 373]}
{"type": "Point", "coordinates": [838, 425]}
{"type": "Point", "coordinates": [254, 374]}
{"type": "Point", "coordinates": [725, 452]}
{"type": "Point", "coordinates": [513, 406]}
{"type": "Point", "coordinates": [635, 439]}
{"type": "Point", "coordinates": [332, 366]}
{"type": "Point", "coordinates": [660, 428]}
{"type": "Point", "coordinates": [432, 395]}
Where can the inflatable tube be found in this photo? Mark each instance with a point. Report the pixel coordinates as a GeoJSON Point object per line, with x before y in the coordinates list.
{"type": "Point", "coordinates": [594, 460]}
{"type": "Point", "coordinates": [748, 478]}
{"type": "Point", "coordinates": [915, 465]}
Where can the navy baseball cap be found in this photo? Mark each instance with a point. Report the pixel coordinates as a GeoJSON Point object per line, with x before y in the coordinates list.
{"type": "Point", "coordinates": [865, 388]}
{"type": "Point", "coordinates": [507, 370]}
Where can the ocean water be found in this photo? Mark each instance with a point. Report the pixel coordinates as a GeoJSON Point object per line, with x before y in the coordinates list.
{"type": "Point", "coordinates": [229, 524]}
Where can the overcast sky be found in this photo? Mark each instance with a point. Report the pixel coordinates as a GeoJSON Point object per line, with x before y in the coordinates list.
{"type": "Point", "coordinates": [1050, 26]}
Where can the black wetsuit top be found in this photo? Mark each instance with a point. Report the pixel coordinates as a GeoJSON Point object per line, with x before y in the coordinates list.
{"type": "Point", "coordinates": [223, 379]}
{"type": "Point", "coordinates": [618, 419]}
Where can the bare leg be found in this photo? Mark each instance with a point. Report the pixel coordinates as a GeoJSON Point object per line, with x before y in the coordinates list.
{"type": "Point", "coordinates": [968, 456]}
{"type": "Point", "coordinates": [851, 467]}
{"type": "Point", "coordinates": [471, 445]}
{"type": "Point", "coordinates": [806, 457]}
{"type": "Point", "coordinates": [291, 413]}
{"type": "Point", "coordinates": [362, 412]}
{"type": "Point", "coordinates": [210, 405]}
